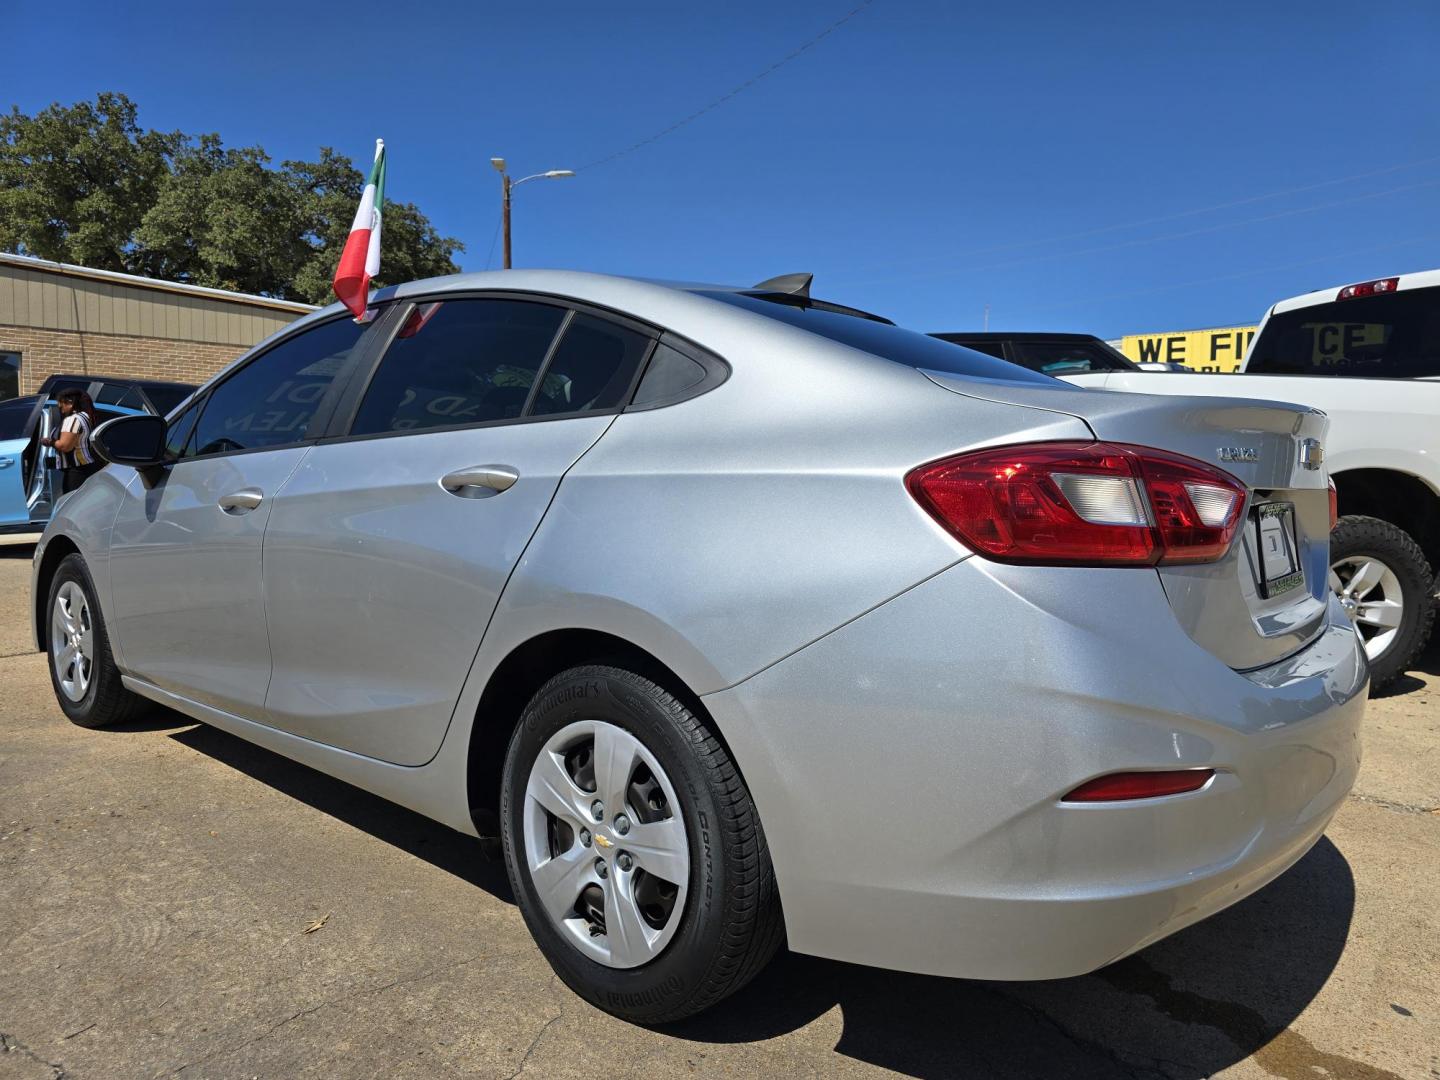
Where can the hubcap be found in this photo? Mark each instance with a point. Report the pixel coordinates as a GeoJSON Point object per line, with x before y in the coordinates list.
{"type": "Point", "coordinates": [72, 641]}
{"type": "Point", "coordinates": [1369, 592]}
{"type": "Point", "coordinates": [618, 907]}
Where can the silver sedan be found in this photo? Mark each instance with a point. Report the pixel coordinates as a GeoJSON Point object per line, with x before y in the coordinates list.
{"type": "Point", "coordinates": [738, 617]}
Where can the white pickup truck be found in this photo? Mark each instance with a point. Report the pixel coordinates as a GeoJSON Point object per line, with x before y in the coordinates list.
{"type": "Point", "coordinates": [1368, 354]}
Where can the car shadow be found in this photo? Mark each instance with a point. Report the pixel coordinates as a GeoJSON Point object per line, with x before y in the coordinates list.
{"type": "Point", "coordinates": [1421, 674]}
{"type": "Point", "coordinates": [1187, 1007]}
{"type": "Point", "coordinates": [455, 853]}
{"type": "Point", "coordinates": [18, 550]}
{"type": "Point", "coordinates": [1191, 1005]}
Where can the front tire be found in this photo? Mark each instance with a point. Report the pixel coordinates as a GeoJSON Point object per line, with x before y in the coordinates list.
{"type": "Point", "coordinates": [1385, 583]}
{"type": "Point", "coordinates": [82, 669]}
{"type": "Point", "coordinates": [634, 850]}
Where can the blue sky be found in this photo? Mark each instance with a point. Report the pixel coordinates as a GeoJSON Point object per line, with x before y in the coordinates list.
{"type": "Point", "coordinates": [1097, 167]}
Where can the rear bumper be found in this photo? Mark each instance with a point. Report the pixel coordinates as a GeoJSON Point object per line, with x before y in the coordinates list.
{"type": "Point", "coordinates": [908, 769]}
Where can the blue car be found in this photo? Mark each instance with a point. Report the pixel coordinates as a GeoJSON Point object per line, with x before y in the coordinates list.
{"type": "Point", "coordinates": [29, 472]}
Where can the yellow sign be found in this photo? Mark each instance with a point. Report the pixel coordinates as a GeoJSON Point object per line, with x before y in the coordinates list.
{"type": "Point", "coordinates": [1217, 349]}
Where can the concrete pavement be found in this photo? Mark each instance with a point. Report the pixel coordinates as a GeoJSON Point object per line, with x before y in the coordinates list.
{"type": "Point", "coordinates": [156, 884]}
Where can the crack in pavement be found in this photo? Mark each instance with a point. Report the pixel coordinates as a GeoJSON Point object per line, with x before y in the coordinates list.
{"type": "Point", "coordinates": [11, 1045]}
{"type": "Point", "coordinates": [1391, 804]}
{"type": "Point", "coordinates": [525, 1060]}
{"type": "Point", "coordinates": [327, 1003]}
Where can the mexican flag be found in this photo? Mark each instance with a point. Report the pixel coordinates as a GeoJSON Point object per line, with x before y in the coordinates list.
{"type": "Point", "coordinates": [360, 261]}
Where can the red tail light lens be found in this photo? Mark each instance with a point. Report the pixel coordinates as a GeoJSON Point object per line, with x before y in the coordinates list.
{"type": "Point", "coordinates": [1369, 288]}
{"type": "Point", "coordinates": [1140, 785]}
{"type": "Point", "coordinates": [1334, 506]}
{"type": "Point", "coordinates": [1083, 504]}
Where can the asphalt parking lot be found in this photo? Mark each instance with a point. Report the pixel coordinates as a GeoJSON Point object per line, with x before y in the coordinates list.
{"type": "Point", "coordinates": [157, 883]}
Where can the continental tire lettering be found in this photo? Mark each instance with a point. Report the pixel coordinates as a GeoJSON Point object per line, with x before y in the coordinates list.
{"type": "Point", "coordinates": [590, 688]}
{"type": "Point", "coordinates": [654, 996]}
{"type": "Point", "coordinates": [709, 891]}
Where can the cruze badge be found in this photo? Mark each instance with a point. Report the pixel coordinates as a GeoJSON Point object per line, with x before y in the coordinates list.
{"type": "Point", "coordinates": [1238, 453]}
{"type": "Point", "coordinates": [1312, 454]}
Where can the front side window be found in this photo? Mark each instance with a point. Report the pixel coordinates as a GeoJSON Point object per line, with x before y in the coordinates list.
{"type": "Point", "coordinates": [592, 368]}
{"type": "Point", "coordinates": [271, 401]}
{"type": "Point", "coordinates": [1068, 358]}
{"type": "Point", "coordinates": [460, 362]}
{"type": "Point", "coordinates": [1387, 336]}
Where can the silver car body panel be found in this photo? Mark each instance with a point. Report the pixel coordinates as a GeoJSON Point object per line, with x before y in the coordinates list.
{"type": "Point", "coordinates": [185, 596]}
{"type": "Point", "coordinates": [905, 715]}
{"type": "Point", "coordinates": [366, 555]}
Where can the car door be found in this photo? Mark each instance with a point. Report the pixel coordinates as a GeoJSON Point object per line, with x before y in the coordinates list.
{"type": "Point", "coordinates": [388, 549]}
{"type": "Point", "coordinates": [186, 602]}
{"type": "Point", "coordinates": [18, 418]}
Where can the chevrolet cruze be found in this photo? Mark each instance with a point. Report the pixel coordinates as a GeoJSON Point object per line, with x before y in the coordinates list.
{"type": "Point", "coordinates": [739, 618]}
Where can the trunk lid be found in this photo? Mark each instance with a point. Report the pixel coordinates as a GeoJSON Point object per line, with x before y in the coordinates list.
{"type": "Point", "coordinates": [1267, 597]}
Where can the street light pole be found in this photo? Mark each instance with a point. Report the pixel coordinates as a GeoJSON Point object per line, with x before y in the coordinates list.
{"type": "Point", "coordinates": [507, 185]}
{"type": "Point", "coordinates": [505, 179]}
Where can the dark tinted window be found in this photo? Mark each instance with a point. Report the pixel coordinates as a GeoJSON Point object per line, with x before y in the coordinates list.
{"type": "Point", "coordinates": [889, 342]}
{"type": "Point", "coordinates": [459, 362]}
{"type": "Point", "coordinates": [272, 400]}
{"type": "Point", "coordinates": [1068, 358]}
{"type": "Point", "coordinates": [177, 437]}
{"type": "Point", "coordinates": [592, 367]}
{"type": "Point", "coordinates": [9, 375]}
{"type": "Point", "coordinates": [13, 414]}
{"type": "Point", "coordinates": [127, 397]}
{"type": "Point", "coordinates": [1391, 336]}
{"type": "Point", "coordinates": [669, 375]}
{"type": "Point", "coordinates": [989, 348]}
{"type": "Point", "coordinates": [165, 396]}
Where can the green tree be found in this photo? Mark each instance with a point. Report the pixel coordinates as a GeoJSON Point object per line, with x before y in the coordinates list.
{"type": "Point", "coordinates": [86, 184]}
{"type": "Point", "coordinates": [328, 191]}
{"type": "Point", "coordinates": [76, 180]}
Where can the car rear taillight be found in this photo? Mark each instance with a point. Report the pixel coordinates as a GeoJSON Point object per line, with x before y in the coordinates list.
{"type": "Point", "coordinates": [1334, 506]}
{"type": "Point", "coordinates": [1118, 787]}
{"type": "Point", "coordinates": [1369, 288]}
{"type": "Point", "coordinates": [1083, 504]}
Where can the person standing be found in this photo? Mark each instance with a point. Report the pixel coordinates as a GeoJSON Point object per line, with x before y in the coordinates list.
{"type": "Point", "coordinates": [72, 442]}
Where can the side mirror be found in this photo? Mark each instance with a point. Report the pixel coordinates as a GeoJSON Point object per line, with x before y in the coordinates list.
{"type": "Point", "coordinates": [137, 441]}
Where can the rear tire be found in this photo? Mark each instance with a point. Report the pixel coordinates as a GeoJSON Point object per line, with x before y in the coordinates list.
{"type": "Point", "coordinates": [1369, 558]}
{"type": "Point", "coordinates": [575, 742]}
{"type": "Point", "coordinates": [82, 669]}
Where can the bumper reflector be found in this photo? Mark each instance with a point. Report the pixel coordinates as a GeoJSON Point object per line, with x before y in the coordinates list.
{"type": "Point", "coordinates": [1140, 785]}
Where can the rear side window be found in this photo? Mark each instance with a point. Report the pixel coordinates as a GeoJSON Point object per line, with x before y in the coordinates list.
{"type": "Point", "coordinates": [1389, 336]}
{"type": "Point", "coordinates": [272, 399]}
{"type": "Point", "coordinates": [165, 397]}
{"type": "Point", "coordinates": [592, 368]}
{"type": "Point", "coordinates": [886, 341]}
{"type": "Point", "coordinates": [459, 362]}
{"type": "Point", "coordinates": [126, 397]}
{"type": "Point", "coordinates": [1068, 358]}
{"type": "Point", "coordinates": [14, 417]}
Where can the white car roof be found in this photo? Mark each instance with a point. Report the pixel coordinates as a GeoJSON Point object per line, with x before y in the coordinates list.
{"type": "Point", "coordinates": [1420, 279]}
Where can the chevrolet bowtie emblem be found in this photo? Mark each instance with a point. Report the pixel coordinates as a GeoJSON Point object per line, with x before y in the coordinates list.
{"type": "Point", "coordinates": [603, 841]}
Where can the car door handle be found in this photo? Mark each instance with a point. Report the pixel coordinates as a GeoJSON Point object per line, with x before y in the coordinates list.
{"type": "Point", "coordinates": [479, 481]}
{"type": "Point", "coordinates": [6, 462]}
{"type": "Point", "coordinates": [242, 501]}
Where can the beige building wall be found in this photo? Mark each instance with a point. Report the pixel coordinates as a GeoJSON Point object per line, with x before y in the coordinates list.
{"type": "Point", "coordinates": [70, 319]}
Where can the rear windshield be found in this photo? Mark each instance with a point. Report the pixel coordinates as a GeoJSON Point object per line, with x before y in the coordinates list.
{"type": "Point", "coordinates": [1391, 336]}
{"type": "Point", "coordinates": [888, 342]}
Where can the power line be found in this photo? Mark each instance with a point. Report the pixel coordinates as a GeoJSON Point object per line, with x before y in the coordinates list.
{"type": "Point", "coordinates": [1143, 241]}
{"type": "Point", "coordinates": [1176, 216]}
{"type": "Point", "coordinates": [493, 236]}
{"type": "Point", "coordinates": [727, 96]}
{"type": "Point", "coordinates": [1425, 239]}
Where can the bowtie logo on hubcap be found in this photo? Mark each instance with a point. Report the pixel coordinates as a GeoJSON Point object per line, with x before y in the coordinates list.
{"type": "Point", "coordinates": [601, 840]}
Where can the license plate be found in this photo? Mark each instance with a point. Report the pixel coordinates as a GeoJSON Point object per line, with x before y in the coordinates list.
{"type": "Point", "coordinates": [1279, 555]}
